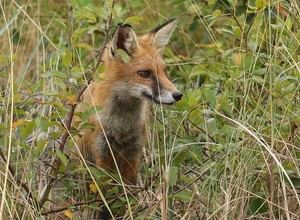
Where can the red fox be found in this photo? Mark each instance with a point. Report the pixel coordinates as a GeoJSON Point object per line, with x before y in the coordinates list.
{"type": "Point", "coordinates": [123, 93]}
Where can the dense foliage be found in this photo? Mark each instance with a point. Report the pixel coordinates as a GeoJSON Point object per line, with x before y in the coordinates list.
{"type": "Point", "coordinates": [228, 150]}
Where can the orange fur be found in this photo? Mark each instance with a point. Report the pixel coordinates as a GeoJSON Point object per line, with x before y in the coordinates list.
{"type": "Point", "coordinates": [124, 93]}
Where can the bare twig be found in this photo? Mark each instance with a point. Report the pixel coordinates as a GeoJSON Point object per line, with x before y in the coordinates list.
{"type": "Point", "coordinates": [247, 33]}
{"type": "Point", "coordinates": [70, 31]}
{"type": "Point", "coordinates": [63, 208]}
{"type": "Point", "coordinates": [208, 135]}
{"type": "Point", "coordinates": [2, 68]}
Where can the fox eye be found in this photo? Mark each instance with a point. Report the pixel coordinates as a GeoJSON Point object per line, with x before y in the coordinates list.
{"type": "Point", "coordinates": [145, 73]}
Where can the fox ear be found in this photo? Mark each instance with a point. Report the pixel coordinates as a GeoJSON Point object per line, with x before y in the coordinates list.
{"type": "Point", "coordinates": [162, 34]}
{"type": "Point", "coordinates": [125, 39]}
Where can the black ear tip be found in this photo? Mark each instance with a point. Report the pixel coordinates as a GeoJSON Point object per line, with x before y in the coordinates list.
{"type": "Point", "coordinates": [162, 25]}
{"type": "Point", "coordinates": [172, 19]}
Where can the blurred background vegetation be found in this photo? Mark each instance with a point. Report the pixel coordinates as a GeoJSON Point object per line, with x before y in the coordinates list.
{"type": "Point", "coordinates": [228, 150]}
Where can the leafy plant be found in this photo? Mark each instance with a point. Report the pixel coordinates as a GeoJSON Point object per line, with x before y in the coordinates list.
{"type": "Point", "coordinates": [228, 149]}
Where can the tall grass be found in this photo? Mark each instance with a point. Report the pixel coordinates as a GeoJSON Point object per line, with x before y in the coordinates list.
{"type": "Point", "coordinates": [228, 150]}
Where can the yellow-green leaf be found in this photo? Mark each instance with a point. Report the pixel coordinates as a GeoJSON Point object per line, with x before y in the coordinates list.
{"type": "Point", "coordinates": [259, 4]}
{"type": "Point", "coordinates": [62, 157]}
{"type": "Point", "coordinates": [83, 45]}
{"type": "Point", "coordinates": [184, 196]}
{"type": "Point", "coordinates": [77, 34]}
{"type": "Point", "coordinates": [69, 214]}
{"type": "Point", "coordinates": [133, 20]}
{"type": "Point", "coordinates": [122, 53]}
{"type": "Point", "coordinates": [66, 57]}
{"type": "Point", "coordinates": [101, 68]}
{"type": "Point", "coordinates": [211, 2]}
{"type": "Point", "coordinates": [17, 123]}
{"type": "Point", "coordinates": [217, 13]}
{"type": "Point", "coordinates": [54, 73]}
{"type": "Point", "coordinates": [93, 187]}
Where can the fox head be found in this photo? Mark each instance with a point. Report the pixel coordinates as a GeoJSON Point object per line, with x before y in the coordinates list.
{"type": "Point", "coordinates": [143, 75]}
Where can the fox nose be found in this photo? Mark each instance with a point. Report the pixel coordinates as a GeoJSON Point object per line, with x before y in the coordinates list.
{"type": "Point", "coordinates": [177, 96]}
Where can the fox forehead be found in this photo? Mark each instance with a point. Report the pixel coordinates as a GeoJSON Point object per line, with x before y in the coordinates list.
{"type": "Point", "coordinates": [148, 62]}
{"type": "Point", "coordinates": [147, 58]}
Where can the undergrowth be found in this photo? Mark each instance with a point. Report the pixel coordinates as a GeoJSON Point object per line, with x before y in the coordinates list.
{"type": "Point", "coordinates": [228, 150]}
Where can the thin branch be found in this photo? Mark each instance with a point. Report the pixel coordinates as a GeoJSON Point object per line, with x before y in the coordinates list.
{"type": "Point", "coordinates": [70, 31]}
{"type": "Point", "coordinates": [71, 113]}
{"type": "Point", "coordinates": [208, 135]}
{"type": "Point", "coordinates": [247, 33]}
{"type": "Point", "coordinates": [2, 68]}
{"type": "Point", "coordinates": [63, 208]}
{"type": "Point", "coordinates": [236, 20]}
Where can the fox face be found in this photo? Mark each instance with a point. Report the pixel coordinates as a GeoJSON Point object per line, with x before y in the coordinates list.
{"type": "Point", "coordinates": [144, 75]}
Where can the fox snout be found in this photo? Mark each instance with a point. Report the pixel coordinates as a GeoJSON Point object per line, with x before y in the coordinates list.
{"type": "Point", "coordinates": [167, 97]}
{"type": "Point", "coordinates": [177, 96]}
{"type": "Point", "coordinates": [158, 95]}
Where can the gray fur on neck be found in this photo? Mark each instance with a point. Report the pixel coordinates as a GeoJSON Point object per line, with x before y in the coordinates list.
{"type": "Point", "coordinates": [122, 119]}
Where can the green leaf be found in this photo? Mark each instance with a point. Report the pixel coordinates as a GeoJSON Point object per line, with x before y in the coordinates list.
{"type": "Point", "coordinates": [55, 73]}
{"type": "Point", "coordinates": [83, 45]}
{"type": "Point", "coordinates": [257, 205]}
{"type": "Point", "coordinates": [211, 126]}
{"type": "Point", "coordinates": [76, 72]}
{"type": "Point", "coordinates": [184, 196]}
{"type": "Point", "coordinates": [217, 13]}
{"type": "Point", "coordinates": [288, 89]}
{"type": "Point", "coordinates": [94, 207]}
{"type": "Point", "coordinates": [77, 34]}
{"type": "Point", "coordinates": [16, 36]}
{"type": "Point", "coordinates": [66, 57]}
{"type": "Point", "coordinates": [27, 129]}
{"type": "Point", "coordinates": [81, 170]}
{"type": "Point", "coordinates": [133, 20]}
{"type": "Point", "coordinates": [226, 108]}
{"type": "Point", "coordinates": [260, 72]}
{"type": "Point", "coordinates": [179, 157]}
{"type": "Point", "coordinates": [40, 146]}
{"type": "Point", "coordinates": [228, 131]}
{"type": "Point", "coordinates": [113, 191]}
{"type": "Point", "coordinates": [237, 32]}
{"type": "Point", "coordinates": [211, 2]}
{"type": "Point", "coordinates": [43, 124]}
{"type": "Point", "coordinates": [118, 203]}
{"type": "Point", "coordinates": [101, 68]}
{"type": "Point", "coordinates": [259, 4]}
{"type": "Point", "coordinates": [209, 96]}
{"type": "Point", "coordinates": [295, 181]}
{"type": "Point", "coordinates": [258, 20]}
{"type": "Point", "coordinates": [288, 23]}
{"type": "Point", "coordinates": [62, 157]}
{"type": "Point", "coordinates": [199, 70]}
{"type": "Point", "coordinates": [122, 53]}
{"type": "Point", "coordinates": [173, 175]}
